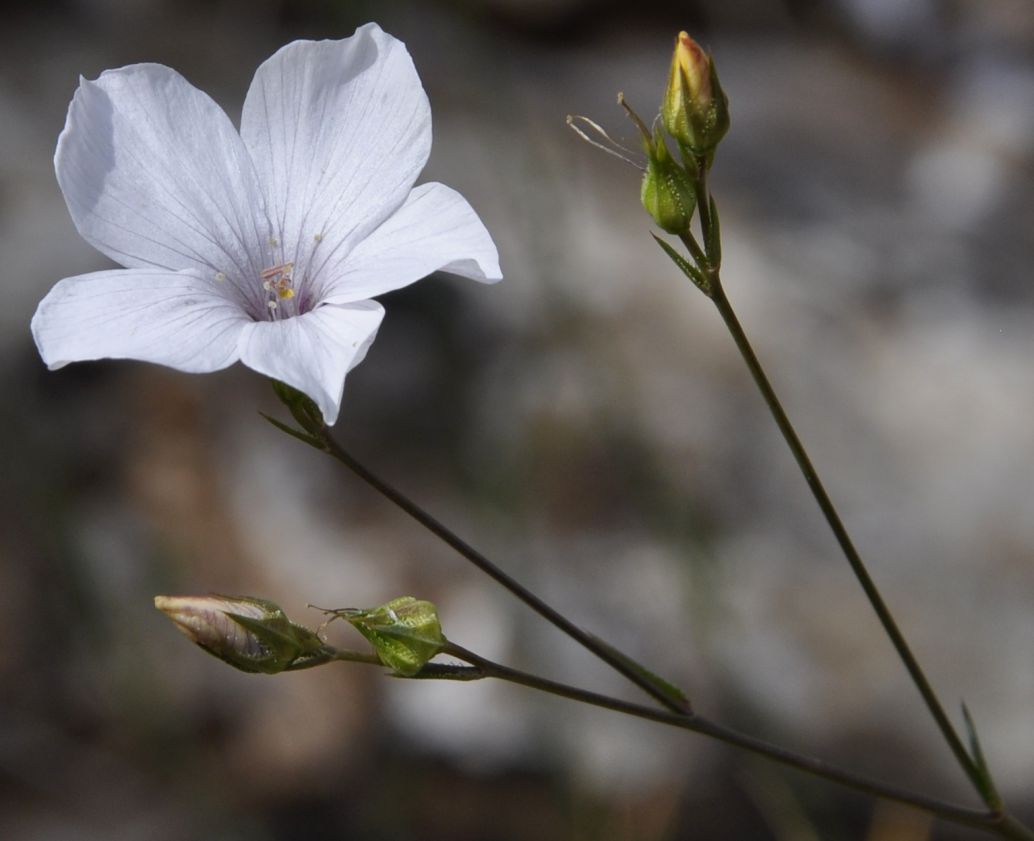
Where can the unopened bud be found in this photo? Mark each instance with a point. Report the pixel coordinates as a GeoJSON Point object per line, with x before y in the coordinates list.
{"type": "Point", "coordinates": [253, 635]}
{"type": "Point", "coordinates": [667, 192]}
{"type": "Point", "coordinates": [695, 110]}
{"type": "Point", "coordinates": [405, 632]}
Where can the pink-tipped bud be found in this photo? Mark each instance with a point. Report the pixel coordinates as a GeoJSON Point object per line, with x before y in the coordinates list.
{"type": "Point", "coordinates": [695, 110]}
{"type": "Point", "coordinates": [253, 635]}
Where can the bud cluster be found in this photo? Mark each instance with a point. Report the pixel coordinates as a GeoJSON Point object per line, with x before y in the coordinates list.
{"type": "Point", "coordinates": [695, 115]}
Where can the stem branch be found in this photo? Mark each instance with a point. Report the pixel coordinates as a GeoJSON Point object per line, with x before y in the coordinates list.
{"type": "Point", "coordinates": [602, 650]}
{"type": "Point", "coordinates": [989, 821]}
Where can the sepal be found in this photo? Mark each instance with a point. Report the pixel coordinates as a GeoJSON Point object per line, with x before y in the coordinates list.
{"type": "Point", "coordinates": [405, 632]}
{"type": "Point", "coordinates": [253, 635]}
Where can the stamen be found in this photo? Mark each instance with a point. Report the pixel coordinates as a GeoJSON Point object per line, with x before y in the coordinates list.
{"type": "Point", "coordinates": [276, 280]}
{"type": "Point", "coordinates": [318, 237]}
{"type": "Point", "coordinates": [273, 272]}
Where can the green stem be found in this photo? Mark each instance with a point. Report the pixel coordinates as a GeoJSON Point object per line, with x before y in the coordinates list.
{"type": "Point", "coordinates": [829, 511]}
{"type": "Point", "coordinates": [995, 822]}
{"type": "Point", "coordinates": [617, 661]}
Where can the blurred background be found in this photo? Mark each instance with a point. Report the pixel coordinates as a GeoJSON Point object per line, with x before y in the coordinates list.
{"type": "Point", "coordinates": [586, 423]}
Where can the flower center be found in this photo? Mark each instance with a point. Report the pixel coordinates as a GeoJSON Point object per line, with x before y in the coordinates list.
{"type": "Point", "coordinates": [277, 282]}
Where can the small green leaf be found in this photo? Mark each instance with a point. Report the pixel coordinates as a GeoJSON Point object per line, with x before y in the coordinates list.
{"type": "Point", "coordinates": [304, 437]}
{"type": "Point", "coordinates": [666, 688]}
{"type": "Point", "coordinates": [689, 270]}
{"type": "Point", "coordinates": [986, 782]}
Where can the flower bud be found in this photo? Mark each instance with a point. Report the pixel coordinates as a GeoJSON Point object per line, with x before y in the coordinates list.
{"type": "Point", "coordinates": [405, 632]}
{"type": "Point", "coordinates": [253, 635]}
{"type": "Point", "coordinates": [667, 192]}
{"type": "Point", "coordinates": [695, 110]}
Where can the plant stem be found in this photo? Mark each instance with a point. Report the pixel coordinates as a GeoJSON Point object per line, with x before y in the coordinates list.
{"type": "Point", "coordinates": [811, 476]}
{"type": "Point", "coordinates": [995, 822]}
{"type": "Point", "coordinates": [604, 651]}
{"type": "Point", "coordinates": [829, 511]}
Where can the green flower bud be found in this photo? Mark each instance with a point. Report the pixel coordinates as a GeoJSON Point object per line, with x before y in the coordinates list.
{"type": "Point", "coordinates": [695, 109]}
{"type": "Point", "coordinates": [667, 191]}
{"type": "Point", "coordinates": [253, 635]}
{"type": "Point", "coordinates": [405, 632]}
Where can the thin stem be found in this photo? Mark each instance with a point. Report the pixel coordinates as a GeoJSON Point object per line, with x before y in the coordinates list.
{"type": "Point", "coordinates": [605, 652]}
{"type": "Point", "coordinates": [989, 821]}
{"type": "Point", "coordinates": [829, 511]}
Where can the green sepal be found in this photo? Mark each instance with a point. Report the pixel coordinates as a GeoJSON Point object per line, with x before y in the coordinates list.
{"type": "Point", "coordinates": [301, 407]}
{"type": "Point", "coordinates": [667, 192]}
{"type": "Point", "coordinates": [304, 437]}
{"type": "Point", "coordinates": [985, 781]}
{"type": "Point", "coordinates": [289, 647]}
{"type": "Point", "coordinates": [666, 688]}
{"type": "Point", "coordinates": [687, 268]}
{"type": "Point", "coordinates": [405, 632]}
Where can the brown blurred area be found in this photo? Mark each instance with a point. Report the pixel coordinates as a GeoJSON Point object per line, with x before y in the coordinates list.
{"type": "Point", "coordinates": [586, 423]}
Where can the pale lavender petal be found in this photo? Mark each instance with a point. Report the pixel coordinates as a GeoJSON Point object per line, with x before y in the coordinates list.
{"type": "Point", "coordinates": [339, 132]}
{"type": "Point", "coordinates": [313, 352]}
{"type": "Point", "coordinates": [179, 319]}
{"type": "Point", "coordinates": [155, 175]}
{"type": "Point", "coordinates": [435, 230]}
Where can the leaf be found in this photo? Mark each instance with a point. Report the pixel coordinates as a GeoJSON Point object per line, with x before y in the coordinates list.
{"type": "Point", "coordinates": [986, 782]}
{"type": "Point", "coordinates": [304, 437]}
{"type": "Point", "coordinates": [667, 689]}
{"type": "Point", "coordinates": [690, 271]}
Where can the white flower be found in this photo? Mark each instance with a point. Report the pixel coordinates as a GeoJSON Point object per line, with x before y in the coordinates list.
{"type": "Point", "coordinates": [262, 246]}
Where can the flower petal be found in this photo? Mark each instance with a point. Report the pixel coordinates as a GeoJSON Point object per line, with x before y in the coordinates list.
{"type": "Point", "coordinates": [339, 131]}
{"type": "Point", "coordinates": [155, 175]}
{"type": "Point", "coordinates": [435, 230]}
{"type": "Point", "coordinates": [313, 352]}
{"type": "Point", "coordinates": [179, 319]}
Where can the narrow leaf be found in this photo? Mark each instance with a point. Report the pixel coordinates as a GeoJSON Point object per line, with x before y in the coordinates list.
{"type": "Point", "coordinates": [304, 437]}
{"type": "Point", "coordinates": [689, 270]}
{"type": "Point", "coordinates": [669, 690]}
{"type": "Point", "coordinates": [987, 786]}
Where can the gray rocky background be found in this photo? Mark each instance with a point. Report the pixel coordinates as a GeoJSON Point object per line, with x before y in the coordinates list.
{"type": "Point", "coordinates": [586, 423]}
